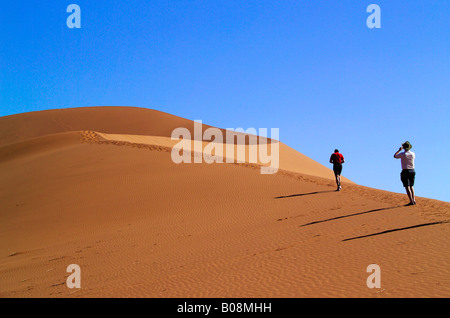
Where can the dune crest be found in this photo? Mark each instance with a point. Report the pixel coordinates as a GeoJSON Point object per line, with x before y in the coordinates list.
{"type": "Point", "coordinates": [130, 124]}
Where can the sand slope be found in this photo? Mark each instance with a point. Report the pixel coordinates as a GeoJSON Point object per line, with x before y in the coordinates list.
{"type": "Point", "coordinates": [290, 159]}
{"type": "Point", "coordinates": [141, 226]}
{"type": "Point", "coordinates": [116, 120]}
{"type": "Point", "coordinates": [128, 124]}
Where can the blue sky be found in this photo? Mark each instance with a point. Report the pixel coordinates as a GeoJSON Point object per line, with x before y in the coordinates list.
{"type": "Point", "coordinates": [311, 68]}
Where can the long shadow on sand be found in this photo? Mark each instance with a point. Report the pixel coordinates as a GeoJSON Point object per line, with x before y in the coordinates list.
{"type": "Point", "coordinates": [349, 215]}
{"type": "Point", "coordinates": [395, 230]}
{"type": "Point", "coordinates": [302, 194]}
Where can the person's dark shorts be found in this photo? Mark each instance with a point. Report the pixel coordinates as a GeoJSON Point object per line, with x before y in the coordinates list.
{"type": "Point", "coordinates": [408, 176]}
{"type": "Point", "coordinates": [337, 168]}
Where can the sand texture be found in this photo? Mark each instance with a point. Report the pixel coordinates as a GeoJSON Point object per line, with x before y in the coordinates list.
{"type": "Point", "coordinates": [96, 187]}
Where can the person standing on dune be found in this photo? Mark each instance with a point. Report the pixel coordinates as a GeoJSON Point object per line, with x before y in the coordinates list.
{"type": "Point", "coordinates": [408, 174]}
{"type": "Point", "coordinates": [337, 159]}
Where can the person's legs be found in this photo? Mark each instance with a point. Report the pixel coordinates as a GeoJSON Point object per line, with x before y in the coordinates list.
{"type": "Point", "coordinates": [408, 178]}
{"type": "Point", "coordinates": [338, 181]}
{"type": "Point", "coordinates": [337, 174]}
{"type": "Point", "coordinates": [412, 178]}
{"type": "Point", "coordinates": [412, 195]}
{"type": "Point", "coordinates": [404, 176]}
{"type": "Point", "coordinates": [408, 192]}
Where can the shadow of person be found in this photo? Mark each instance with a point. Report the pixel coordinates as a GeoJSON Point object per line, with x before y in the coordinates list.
{"type": "Point", "coordinates": [302, 194]}
{"type": "Point", "coordinates": [353, 214]}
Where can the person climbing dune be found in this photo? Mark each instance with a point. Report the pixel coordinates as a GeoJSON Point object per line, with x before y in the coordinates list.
{"type": "Point", "coordinates": [408, 174]}
{"type": "Point", "coordinates": [337, 159]}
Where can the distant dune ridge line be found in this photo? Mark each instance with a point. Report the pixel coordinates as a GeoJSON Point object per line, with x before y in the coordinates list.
{"type": "Point", "coordinates": [134, 125]}
{"type": "Point", "coordinates": [97, 187]}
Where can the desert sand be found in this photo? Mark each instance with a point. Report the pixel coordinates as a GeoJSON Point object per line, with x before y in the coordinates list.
{"type": "Point", "coordinates": [96, 187]}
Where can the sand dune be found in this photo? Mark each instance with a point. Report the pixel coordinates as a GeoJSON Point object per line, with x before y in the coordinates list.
{"type": "Point", "coordinates": [130, 125]}
{"type": "Point", "coordinates": [97, 187]}
{"type": "Point", "coordinates": [290, 160]}
{"type": "Point", "coordinates": [116, 120]}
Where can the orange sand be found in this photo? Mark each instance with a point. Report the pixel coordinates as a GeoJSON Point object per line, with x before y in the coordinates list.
{"type": "Point", "coordinates": [96, 187]}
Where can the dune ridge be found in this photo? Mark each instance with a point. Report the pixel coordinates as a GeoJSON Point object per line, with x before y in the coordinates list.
{"type": "Point", "coordinates": [128, 121]}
